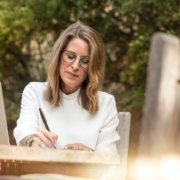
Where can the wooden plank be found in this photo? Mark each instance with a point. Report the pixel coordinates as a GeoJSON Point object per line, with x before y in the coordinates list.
{"type": "Point", "coordinates": [123, 130]}
{"type": "Point", "coordinates": [4, 138]}
{"type": "Point", "coordinates": [51, 177]}
{"type": "Point", "coordinates": [10, 178]}
{"type": "Point", "coordinates": [56, 155]}
{"type": "Point", "coordinates": [24, 160]}
{"type": "Point", "coordinates": [76, 170]}
{"type": "Point", "coordinates": [161, 120]}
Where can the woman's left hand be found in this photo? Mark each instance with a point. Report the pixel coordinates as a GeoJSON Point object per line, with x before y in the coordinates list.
{"type": "Point", "coordinates": [77, 146]}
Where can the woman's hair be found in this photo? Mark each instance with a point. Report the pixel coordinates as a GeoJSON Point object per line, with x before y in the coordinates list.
{"type": "Point", "coordinates": [89, 90]}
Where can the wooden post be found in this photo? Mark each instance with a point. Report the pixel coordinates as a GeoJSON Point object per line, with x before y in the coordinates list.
{"type": "Point", "coordinates": [3, 123]}
{"type": "Point", "coordinates": [161, 120]}
{"type": "Point", "coordinates": [123, 130]}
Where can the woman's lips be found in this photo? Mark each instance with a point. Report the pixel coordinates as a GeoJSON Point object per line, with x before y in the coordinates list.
{"type": "Point", "coordinates": [72, 74]}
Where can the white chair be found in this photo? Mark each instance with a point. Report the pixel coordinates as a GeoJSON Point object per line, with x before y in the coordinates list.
{"type": "Point", "coordinates": [123, 130]}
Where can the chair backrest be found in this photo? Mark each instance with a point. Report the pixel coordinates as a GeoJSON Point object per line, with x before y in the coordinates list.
{"type": "Point", "coordinates": [123, 130]}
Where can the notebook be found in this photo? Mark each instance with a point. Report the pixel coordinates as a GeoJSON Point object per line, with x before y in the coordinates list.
{"type": "Point", "coordinates": [4, 137]}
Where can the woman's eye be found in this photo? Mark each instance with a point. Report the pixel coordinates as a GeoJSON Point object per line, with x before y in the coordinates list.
{"type": "Point", "coordinates": [84, 61]}
{"type": "Point", "coordinates": [71, 57]}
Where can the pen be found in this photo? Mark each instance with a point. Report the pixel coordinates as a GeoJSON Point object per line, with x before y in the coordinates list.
{"type": "Point", "coordinates": [44, 120]}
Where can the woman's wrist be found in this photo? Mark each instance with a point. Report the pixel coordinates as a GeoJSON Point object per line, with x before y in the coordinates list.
{"type": "Point", "coordinates": [24, 140]}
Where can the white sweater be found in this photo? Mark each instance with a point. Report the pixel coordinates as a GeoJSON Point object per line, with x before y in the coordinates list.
{"type": "Point", "coordinates": [70, 121]}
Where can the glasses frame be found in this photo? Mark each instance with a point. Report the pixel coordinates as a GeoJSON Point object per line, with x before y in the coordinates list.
{"type": "Point", "coordinates": [64, 50]}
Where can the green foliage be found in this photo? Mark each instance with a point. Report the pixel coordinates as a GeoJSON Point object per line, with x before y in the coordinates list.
{"type": "Point", "coordinates": [29, 28]}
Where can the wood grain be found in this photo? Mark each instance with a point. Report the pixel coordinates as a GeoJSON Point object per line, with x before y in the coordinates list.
{"type": "Point", "coordinates": [24, 160]}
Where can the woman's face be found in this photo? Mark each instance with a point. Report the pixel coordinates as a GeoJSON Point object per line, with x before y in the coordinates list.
{"type": "Point", "coordinates": [73, 74]}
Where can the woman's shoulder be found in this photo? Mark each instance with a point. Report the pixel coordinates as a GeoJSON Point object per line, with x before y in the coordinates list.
{"type": "Point", "coordinates": [104, 96]}
{"type": "Point", "coordinates": [40, 86]}
{"type": "Point", "coordinates": [107, 102]}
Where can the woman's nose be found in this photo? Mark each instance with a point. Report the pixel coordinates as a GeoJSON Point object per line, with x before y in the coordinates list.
{"type": "Point", "coordinates": [76, 64]}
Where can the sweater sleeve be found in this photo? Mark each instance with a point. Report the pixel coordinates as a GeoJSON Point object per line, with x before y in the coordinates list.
{"type": "Point", "coordinates": [108, 135]}
{"type": "Point", "coordinates": [28, 122]}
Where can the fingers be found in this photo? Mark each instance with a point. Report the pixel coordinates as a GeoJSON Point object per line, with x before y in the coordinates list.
{"type": "Point", "coordinates": [38, 143]}
{"type": "Point", "coordinates": [77, 146]}
{"type": "Point", "coordinates": [45, 139]}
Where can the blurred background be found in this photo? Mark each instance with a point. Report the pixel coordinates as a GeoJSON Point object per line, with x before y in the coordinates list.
{"type": "Point", "coordinates": [28, 29]}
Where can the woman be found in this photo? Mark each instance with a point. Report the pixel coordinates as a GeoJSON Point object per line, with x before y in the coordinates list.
{"type": "Point", "coordinates": [79, 116]}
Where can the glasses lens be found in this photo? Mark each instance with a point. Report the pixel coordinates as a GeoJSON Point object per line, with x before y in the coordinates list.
{"type": "Point", "coordinates": [84, 62]}
{"type": "Point", "coordinates": [68, 57]}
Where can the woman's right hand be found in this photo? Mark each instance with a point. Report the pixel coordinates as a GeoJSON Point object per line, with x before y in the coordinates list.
{"type": "Point", "coordinates": [43, 139]}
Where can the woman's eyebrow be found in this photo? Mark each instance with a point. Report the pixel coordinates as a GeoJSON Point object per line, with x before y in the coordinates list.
{"type": "Point", "coordinates": [75, 53]}
{"type": "Point", "coordinates": [71, 52]}
{"type": "Point", "coordinates": [85, 56]}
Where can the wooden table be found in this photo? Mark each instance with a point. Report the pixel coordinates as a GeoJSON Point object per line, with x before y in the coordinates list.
{"type": "Point", "coordinates": [24, 160]}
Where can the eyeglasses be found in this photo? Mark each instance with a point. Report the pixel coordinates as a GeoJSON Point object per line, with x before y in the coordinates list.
{"type": "Point", "coordinates": [70, 57]}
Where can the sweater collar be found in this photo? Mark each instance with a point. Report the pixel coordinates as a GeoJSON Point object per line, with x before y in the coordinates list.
{"type": "Point", "coordinates": [74, 95]}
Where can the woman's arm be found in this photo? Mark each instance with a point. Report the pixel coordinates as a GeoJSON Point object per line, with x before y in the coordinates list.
{"type": "Point", "coordinates": [29, 123]}
{"type": "Point", "coordinates": [108, 135]}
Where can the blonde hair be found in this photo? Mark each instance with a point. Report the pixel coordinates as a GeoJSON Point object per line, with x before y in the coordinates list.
{"type": "Point", "coordinates": [89, 90]}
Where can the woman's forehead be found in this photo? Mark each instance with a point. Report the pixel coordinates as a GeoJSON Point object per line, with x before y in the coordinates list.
{"type": "Point", "coordinates": [78, 46]}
